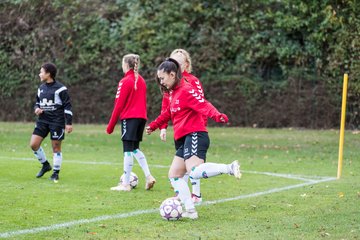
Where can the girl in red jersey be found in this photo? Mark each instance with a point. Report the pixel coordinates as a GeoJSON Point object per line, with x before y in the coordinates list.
{"type": "Point", "coordinates": [130, 108]}
{"type": "Point", "coordinates": [183, 58]}
{"type": "Point", "coordinates": [186, 111]}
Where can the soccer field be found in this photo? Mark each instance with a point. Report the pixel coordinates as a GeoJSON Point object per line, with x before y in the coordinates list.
{"type": "Point", "coordinates": [288, 189]}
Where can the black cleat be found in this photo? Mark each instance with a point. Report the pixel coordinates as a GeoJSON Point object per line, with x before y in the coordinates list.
{"type": "Point", "coordinates": [45, 168]}
{"type": "Point", "coordinates": [54, 177]}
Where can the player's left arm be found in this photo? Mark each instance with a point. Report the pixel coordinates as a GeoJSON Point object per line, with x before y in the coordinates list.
{"type": "Point", "coordinates": [65, 98]}
{"type": "Point", "coordinates": [198, 103]}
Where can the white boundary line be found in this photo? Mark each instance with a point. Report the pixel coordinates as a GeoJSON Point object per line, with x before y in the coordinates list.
{"type": "Point", "coordinates": [79, 162]}
{"type": "Point", "coordinates": [297, 177]}
{"type": "Point", "coordinates": [140, 212]}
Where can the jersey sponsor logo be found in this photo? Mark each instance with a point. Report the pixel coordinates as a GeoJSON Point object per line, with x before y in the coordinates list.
{"type": "Point", "coordinates": [47, 105]}
{"type": "Point", "coordinates": [175, 108]}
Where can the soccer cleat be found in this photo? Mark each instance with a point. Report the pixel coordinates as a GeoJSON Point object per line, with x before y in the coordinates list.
{"type": "Point", "coordinates": [44, 169]}
{"type": "Point", "coordinates": [192, 214]}
{"type": "Point", "coordinates": [197, 200]}
{"type": "Point", "coordinates": [150, 182]}
{"type": "Point", "coordinates": [54, 177]}
{"type": "Point", "coordinates": [235, 169]}
{"type": "Point", "coordinates": [120, 187]}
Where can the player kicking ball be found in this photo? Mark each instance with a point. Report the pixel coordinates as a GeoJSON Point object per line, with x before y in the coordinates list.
{"type": "Point", "coordinates": [186, 111]}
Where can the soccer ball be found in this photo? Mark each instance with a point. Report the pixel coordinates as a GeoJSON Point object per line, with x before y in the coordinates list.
{"type": "Point", "coordinates": [171, 209]}
{"type": "Point", "coordinates": [134, 180]}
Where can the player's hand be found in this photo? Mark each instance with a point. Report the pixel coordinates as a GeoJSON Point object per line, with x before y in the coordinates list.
{"type": "Point", "coordinates": [38, 111]}
{"type": "Point", "coordinates": [163, 135]}
{"type": "Point", "coordinates": [148, 130]}
{"type": "Point", "coordinates": [109, 131]}
{"type": "Point", "coordinates": [222, 118]}
{"type": "Point", "coordinates": [68, 128]}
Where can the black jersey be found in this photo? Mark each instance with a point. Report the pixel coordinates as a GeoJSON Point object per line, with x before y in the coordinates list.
{"type": "Point", "coordinates": [54, 100]}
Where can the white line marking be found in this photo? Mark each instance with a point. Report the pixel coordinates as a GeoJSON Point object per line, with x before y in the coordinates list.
{"type": "Point", "coordinates": [297, 177]}
{"type": "Point", "coordinates": [72, 223]}
{"type": "Point", "coordinates": [140, 212]}
{"type": "Point", "coordinates": [274, 190]}
{"type": "Point", "coordinates": [80, 162]}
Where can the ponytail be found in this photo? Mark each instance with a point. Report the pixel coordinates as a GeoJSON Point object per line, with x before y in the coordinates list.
{"type": "Point", "coordinates": [136, 69]}
{"type": "Point", "coordinates": [133, 60]}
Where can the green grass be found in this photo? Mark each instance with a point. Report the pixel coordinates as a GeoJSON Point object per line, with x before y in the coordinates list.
{"type": "Point", "coordinates": [326, 210]}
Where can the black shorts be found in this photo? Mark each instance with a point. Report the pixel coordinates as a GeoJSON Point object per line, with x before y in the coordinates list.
{"type": "Point", "coordinates": [43, 129]}
{"type": "Point", "coordinates": [196, 143]}
{"type": "Point", "coordinates": [132, 129]}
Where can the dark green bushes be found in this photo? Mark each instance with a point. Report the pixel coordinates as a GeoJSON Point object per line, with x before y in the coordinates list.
{"type": "Point", "coordinates": [265, 63]}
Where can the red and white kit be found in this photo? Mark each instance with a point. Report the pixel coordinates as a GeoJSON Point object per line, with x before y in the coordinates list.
{"type": "Point", "coordinates": [129, 102]}
{"type": "Point", "coordinates": [186, 110]}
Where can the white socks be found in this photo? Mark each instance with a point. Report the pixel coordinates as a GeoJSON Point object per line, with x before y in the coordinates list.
{"type": "Point", "coordinates": [128, 164]}
{"type": "Point", "coordinates": [195, 184]}
{"type": "Point", "coordinates": [207, 170]}
{"type": "Point", "coordinates": [57, 160]}
{"type": "Point", "coordinates": [195, 187]}
{"type": "Point", "coordinates": [184, 194]}
{"type": "Point", "coordinates": [140, 157]}
{"type": "Point", "coordinates": [40, 154]}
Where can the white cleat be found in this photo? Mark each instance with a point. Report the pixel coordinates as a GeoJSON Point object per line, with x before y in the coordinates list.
{"type": "Point", "coordinates": [150, 182]}
{"type": "Point", "coordinates": [192, 214]}
{"type": "Point", "coordinates": [120, 187]}
{"type": "Point", "coordinates": [235, 169]}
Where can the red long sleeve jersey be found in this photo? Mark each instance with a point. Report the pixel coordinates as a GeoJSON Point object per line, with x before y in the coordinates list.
{"type": "Point", "coordinates": [129, 102]}
{"type": "Point", "coordinates": [186, 109]}
{"type": "Point", "coordinates": [195, 82]}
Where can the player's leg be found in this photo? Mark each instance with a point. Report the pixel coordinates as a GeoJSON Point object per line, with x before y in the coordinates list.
{"type": "Point", "coordinates": [198, 168]}
{"type": "Point", "coordinates": [141, 159]}
{"type": "Point", "coordinates": [40, 132]}
{"type": "Point", "coordinates": [196, 144]}
{"type": "Point", "coordinates": [176, 172]}
{"type": "Point", "coordinates": [139, 125]}
{"type": "Point", "coordinates": [207, 170]}
{"type": "Point", "coordinates": [57, 134]}
{"type": "Point", "coordinates": [128, 147]}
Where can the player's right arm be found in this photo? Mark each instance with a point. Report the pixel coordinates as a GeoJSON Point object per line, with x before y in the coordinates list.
{"type": "Point", "coordinates": [164, 105]}
{"type": "Point", "coordinates": [120, 99]}
{"type": "Point", "coordinates": [163, 118]}
{"type": "Point", "coordinates": [37, 109]}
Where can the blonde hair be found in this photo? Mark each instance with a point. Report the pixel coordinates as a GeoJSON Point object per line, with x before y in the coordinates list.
{"type": "Point", "coordinates": [133, 60]}
{"type": "Point", "coordinates": [187, 58]}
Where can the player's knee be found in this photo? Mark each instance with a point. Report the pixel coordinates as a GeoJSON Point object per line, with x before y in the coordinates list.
{"type": "Point", "coordinates": [34, 146]}
{"type": "Point", "coordinates": [56, 148]}
{"type": "Point", "coordinates": [174, 174]}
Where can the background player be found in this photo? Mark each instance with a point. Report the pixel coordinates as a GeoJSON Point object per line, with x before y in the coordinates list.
{"type": "Point", "coordinates": [53, 109]}
{"type": "Point", "coordinates": [130, 108]}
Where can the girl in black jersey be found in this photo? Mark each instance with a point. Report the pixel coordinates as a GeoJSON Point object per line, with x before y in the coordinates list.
{"type": "Point", "coordinates": [53, 109]}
